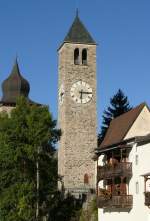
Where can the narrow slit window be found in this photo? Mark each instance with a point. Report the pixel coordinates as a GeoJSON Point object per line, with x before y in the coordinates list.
{"type": "Point", "coordinates": [84, 56]}
{"type": "Point", "coordinates": [137, 187]}
{"type": "Point", "coordinates": [76, 56]}
{"type": "Point", "coordinates": [136, 159]}
{"type": "Point", "coordinates": [86, 179]}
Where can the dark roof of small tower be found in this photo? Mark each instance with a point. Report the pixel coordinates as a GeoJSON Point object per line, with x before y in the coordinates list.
{"type": "Point", "coordinates": [78, 33]}
{"type": "Point", "coordinates": [14, 86]}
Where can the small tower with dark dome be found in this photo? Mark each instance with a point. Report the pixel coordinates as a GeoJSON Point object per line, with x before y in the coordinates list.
{"type": "Point", "coordinates": [13, 87]}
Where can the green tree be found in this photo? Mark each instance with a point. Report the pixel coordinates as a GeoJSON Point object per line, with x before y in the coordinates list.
{"type": "Point", "coordinates": [119, 104]}
{"type": "Point", "coordinates": [27, 136]}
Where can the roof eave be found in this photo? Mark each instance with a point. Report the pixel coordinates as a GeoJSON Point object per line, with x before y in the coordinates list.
{"type": "Point", "coordinates": [137, 139]}
{"type": "Point", "coordinates": [13, 103]}
{"type": "Point", "coordinates": [115, 145]}
{"type": "Point", "coordinates": [75, 43]}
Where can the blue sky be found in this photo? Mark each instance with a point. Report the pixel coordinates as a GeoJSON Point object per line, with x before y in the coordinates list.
{"type": "Point", "coordinates": [34, 29]}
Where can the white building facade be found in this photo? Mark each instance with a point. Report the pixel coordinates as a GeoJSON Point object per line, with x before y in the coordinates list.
{"type": "Point", "coordinates": [123, 175]}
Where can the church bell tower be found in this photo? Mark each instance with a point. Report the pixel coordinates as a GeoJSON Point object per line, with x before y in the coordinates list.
{"type": "Point", "coordinates": [77, 109]}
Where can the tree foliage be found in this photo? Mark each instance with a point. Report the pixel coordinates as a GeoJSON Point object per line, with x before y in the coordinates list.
{"type": "Point", "coordinates": [27, 129]}
{"type": "Point", "coordinates": [119, 104]}
{"type": "Point", "coordinates": [66, 208]}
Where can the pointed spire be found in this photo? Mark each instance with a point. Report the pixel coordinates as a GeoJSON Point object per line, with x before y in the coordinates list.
{"type": "Point", "coordinates": [16, 58]}
{"type": "Point", "coordinates": [15, 69]}
{"type": "Point", "coordinates": [77, 12]}
{"type": "Point", "coordinates": [78, 33]}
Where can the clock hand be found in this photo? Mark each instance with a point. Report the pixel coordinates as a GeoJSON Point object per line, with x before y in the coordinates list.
{"type": "Point", "coordinates": [81, 95]}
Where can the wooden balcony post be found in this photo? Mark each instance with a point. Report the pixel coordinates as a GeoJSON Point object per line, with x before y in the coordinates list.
{"type": "Point", "coordinates": [121, 154]}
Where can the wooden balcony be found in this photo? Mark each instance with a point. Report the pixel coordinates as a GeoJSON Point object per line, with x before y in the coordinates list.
{"type": "Point", "coordinates": [109, 171]}
{"type": "Point", "coordinates": [120, 201]}
{"type": "Point", "coordinates": [147, 198]}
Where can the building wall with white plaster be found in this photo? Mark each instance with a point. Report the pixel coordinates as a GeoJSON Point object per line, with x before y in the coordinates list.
{"type": "Point", "coordinates": [141, 125]}
{"type": "Point", "coordinates": [140, 158]}
{"type": "Point", "coordinates": [139, 167]}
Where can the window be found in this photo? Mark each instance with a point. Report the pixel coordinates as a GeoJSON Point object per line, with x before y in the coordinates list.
{"type": "Point", "coordinates": [86, 179]}
{"type": "Point", "coordinates": [117, 180]}
{"type": "Point", "coordinates": [136, 148]}
{"type": "Point", "coordinates": [137, 187]}
{"type": "Point", "coordinates": [76, 56]}
{"type": "Point", "coordinates": [84, 56]}
{"type": "Point", "coordinates": [136, 159]}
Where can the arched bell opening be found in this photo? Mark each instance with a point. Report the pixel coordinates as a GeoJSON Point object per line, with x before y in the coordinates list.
{"type": "Point", "coordinates": [76, 56]}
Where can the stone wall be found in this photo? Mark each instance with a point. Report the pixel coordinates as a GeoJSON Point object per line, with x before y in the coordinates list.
{"type": "Point", "coordinates": [77, 121]}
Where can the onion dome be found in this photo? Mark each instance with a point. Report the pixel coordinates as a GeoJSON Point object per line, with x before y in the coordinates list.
{"type": "Point", "coordinates": [14, 86]}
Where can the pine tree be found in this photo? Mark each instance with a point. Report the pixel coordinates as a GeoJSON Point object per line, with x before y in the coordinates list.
{"type": "Point", "coordinates": [27, 136]}
{"type": "Point", "coordinates": [119, 104]}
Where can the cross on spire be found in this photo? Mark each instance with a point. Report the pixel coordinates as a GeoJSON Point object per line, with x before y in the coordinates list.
{"type": "Point", "coordinates": [77, 12]}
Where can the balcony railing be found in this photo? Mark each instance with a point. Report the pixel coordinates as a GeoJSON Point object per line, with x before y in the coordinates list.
{"type": "Point", "coordinates": [147, 198]}
{"type": "Point", "coordinates": [109, 171]}
{"type": "Point", "coordinates": [120, 201]}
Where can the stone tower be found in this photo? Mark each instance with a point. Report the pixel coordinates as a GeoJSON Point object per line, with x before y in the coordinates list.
{"type": "Point", "coordinates": [77, 109]}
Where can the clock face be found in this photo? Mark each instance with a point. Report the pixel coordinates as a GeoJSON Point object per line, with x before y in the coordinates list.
{"type": "Point", "coordinates": [61, 94]}
{"type": "Point", "coordinates": [81, 92]}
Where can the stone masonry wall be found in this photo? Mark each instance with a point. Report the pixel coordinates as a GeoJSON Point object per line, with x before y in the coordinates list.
{"type": "Point", "coordinates": [77, 121]}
